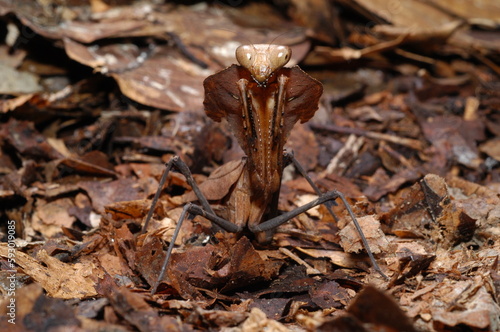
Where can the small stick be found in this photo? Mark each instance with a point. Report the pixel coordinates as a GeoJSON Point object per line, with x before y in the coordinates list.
{"type": "Point", "coordinates": [408, 142]}
{"type": "Point", "coordinates": [309, 268]}
{"type": "Point", "coordinates": [352, 145]}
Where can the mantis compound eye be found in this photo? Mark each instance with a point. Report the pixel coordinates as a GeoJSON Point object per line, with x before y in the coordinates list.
{"type": "Point", "coordinates": [245, 55]}
{"type": "Point", "coordinates": [279, 56]}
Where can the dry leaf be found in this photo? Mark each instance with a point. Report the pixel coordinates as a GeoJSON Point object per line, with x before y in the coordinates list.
{"type": "Point", "coordinates": [61, 280]}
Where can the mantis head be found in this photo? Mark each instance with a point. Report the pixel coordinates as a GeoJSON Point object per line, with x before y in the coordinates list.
{"type": "Point", "coordinates": [262, 60]}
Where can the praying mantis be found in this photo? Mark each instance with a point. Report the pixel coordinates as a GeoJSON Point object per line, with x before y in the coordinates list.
{"type": "Point", "coordinates": [262, 100]}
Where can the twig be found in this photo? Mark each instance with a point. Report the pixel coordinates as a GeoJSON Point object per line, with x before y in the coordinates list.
{"type": "Point", "coordinates": [408, 142]}
{"type": "Point", "coordinates": [351, 147]}
{"type": "Point", "coordinates": [310, 269]}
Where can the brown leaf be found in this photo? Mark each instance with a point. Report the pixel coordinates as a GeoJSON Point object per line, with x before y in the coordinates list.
{"type": "Point", "coordinates": [257, 321]}
{"type": "Point", "coordinates": [351, 241]}
{"type": "Point", "coordinates": [458, 225]}
{"type": "Point", "coordinates": [329, 295]}
{"type": "Point", "coordinates": [51, 216]}
{"type": "Point", "coordinates": [34, 311]}
{"type": "Point", "coordinates": [104, 193]}
{"type": "Point", "coordinates": [442, 130]}
{"type": "Point", "coordinates": [150, 257]}
{"type": "Point", "coordinates": [246, 266]}
{"type": "Point", "coordinates": [343, 323]}
{"type": "Point", "coordinates": [381, 188]}
{"type": "Point", "coordinates": [94, 162]}
{"type": "Point", "coordinates": [165, 80]}
{"type": "Point", "coordinates": [188, 271]}
{"type": "Point", "coordinates": [274, 308]}
{"type": "Point", "coordinates": [128, 209]}
{"type": "Point", "coordinates": [219, 318]}
{"type": "Point", "coordinates": [431, 204]}
{"type": "Point", "coordinates": [468, 303]}
{"type": "Point", "coordinates": [135, 310]}
{"type": "Point", "coordinates": [492, 148]}
{"type": "Point", "coordinates": [302, 142]}
{"type": "Point", "coordinates": [375, 307]}
{"type": "Point", "coordinates": [27, 140]}
{"type": "Point", "coordinates": [116, 267]}
{"type": "Point", "coordinates": [218, 266]}
{"type": "Point", "coordinates": [220, 181]}
{"type": "Point", "coordinates": [411, 265]}
{"type": "Point", "coordinates": [292, 280]}
{"type": "Point", "coordinates": [24, 301]}
{"type": "Point", "coordinates": [50, 313]}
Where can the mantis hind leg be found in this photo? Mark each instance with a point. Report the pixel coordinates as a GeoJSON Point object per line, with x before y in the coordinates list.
{"type": "Point", "coordinates": [290, 159]}
{"type": "Point", "coordinates": [328, 203]}
{"type": "Point", "coordinates": [176, 162]}
{"type": "Point", "coordinates": [204, 210]}
{"type": "Point", "coordinates": [195, 210]}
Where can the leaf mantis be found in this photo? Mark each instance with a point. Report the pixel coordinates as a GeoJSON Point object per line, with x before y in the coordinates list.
{"type": "Point", "coordinates": [261, 100]}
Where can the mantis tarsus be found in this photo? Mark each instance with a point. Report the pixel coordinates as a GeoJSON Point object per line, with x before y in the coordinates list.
{"type": "Point", "coordinates": [261, 100]}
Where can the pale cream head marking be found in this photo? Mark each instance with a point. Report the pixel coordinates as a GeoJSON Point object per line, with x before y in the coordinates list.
{"type": "Point", "coordinates": [263, 59]}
